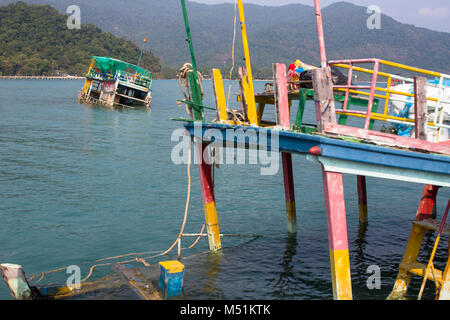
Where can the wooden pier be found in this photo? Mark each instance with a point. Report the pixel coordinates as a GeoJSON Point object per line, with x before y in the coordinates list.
{"type": "Point", "coordinates": [337, 147]}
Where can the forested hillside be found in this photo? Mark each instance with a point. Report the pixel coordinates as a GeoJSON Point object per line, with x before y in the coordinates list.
{"type": "Point", "coordinates": [276, 34]}
{"type": "Point", "coordinates": [35, 40]}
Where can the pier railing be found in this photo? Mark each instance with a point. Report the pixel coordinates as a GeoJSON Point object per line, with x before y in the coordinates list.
{"type": "Point", "coordinates": [134, 78]}
{"type": "Point", "coordinates": [128, 77]}
{"type": "Point", "coordinates": [391, 93]}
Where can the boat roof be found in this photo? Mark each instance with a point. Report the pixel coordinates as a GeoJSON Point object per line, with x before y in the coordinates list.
{"type": "Point", "coordinates": [108, 63]}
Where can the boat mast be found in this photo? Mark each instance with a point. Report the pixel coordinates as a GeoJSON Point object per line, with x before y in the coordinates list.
{"type": "Point", "coordinates": [245, 45]}
{"type": "Point", "coordinates": [189, 39]}
{"type": "Point", "coordinates": [142, 50]}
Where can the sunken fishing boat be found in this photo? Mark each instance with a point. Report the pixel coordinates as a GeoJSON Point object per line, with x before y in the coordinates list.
{"type": "Point", "coordinates": [116, 84]}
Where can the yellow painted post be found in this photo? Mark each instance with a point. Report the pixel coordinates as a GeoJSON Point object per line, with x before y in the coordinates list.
{"type": "Point", "coordinates": [410, 256]}
{"type": "Point", "coordinates": [260, 111]}
{"type": "Point", "coordinates": [245, 45]}
{"type": "Point", "coordinates": [386, 102]}
{"type": "Point", "coordinates": [87, 83]}
{"type": "Point", "coordinates": [209, 202]}
{"type": "Point", "coordinates": [219, 94]}
{"type": "Point", "coordinates": [337, 235]}
{"type": "Point", "coordinates": [444, 293]}
{"type": "Point", "coordinates": [247, 81]}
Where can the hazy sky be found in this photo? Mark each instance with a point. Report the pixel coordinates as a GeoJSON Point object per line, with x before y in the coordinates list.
{"type": "Point", "coordinates": [431, 14]}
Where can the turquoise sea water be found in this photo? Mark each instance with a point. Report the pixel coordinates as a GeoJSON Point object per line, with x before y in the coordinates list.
{"type": "Point", "coordinates": [79, 183]}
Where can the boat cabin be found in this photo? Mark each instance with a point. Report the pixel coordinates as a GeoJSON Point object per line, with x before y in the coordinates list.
{"type": "Point", "coordinates": [114, 83]}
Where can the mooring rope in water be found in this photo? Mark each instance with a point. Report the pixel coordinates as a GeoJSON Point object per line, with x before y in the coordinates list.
{"type": "Point", "coordinates": [141, 260]}
{"type": "Point", "coordinates": [159, 253]}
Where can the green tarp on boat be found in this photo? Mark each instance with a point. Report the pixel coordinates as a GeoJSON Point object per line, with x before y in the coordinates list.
{"type": "Point", "coordinates": [113, 65]}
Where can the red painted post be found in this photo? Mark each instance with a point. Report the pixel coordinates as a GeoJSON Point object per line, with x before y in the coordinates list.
{"type": "Point", "coordinates": [337, 234]}
{"type": "Point", "coordinates": [427, 205]}
{"type": "Point", "coordinates": [362, 198]}
{"type": "Point", "coordinates": [289, 192]}
{"type": "Point", "coordinates": [209, 202]}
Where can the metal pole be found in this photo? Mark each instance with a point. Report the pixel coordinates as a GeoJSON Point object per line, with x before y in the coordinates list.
{"type": "Point", "coordinates": [142, 50]}
{"type": "Point", "coordinates": [189, 39]}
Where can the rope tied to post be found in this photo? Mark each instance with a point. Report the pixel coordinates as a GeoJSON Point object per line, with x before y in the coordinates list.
{"type": "Point", "coordinates": [183, 81]}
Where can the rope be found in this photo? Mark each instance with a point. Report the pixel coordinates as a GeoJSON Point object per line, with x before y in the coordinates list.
{"type": "Point", "coordinates": [237, 116]}
{"type": "Point", "coordinates": [141, 260]}
{"type": "Point", "coordinates": [183, 81]}
{"type": "Point", "coordinates": [187, 202]}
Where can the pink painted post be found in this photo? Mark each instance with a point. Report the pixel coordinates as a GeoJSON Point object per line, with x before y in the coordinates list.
{"type": "Point", "coordinates": [337, 234]}
{"type": "Point", "coordinates": [281, 95]}
{"type": "Point", "coordinates": [349, 83]}
{"type": "Point", "coordinates": [372, 93]}
{"type": "Point", "coordinates": [387, 138]}
{"type": "Point", "coordinates": [323, 56]}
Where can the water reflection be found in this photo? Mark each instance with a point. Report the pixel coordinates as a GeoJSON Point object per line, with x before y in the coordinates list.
{"type": "Point", "coordinates": [359, 251]}
{"type": "Point", "coordinates": [211, 287]}
{"type": "Point", "coordinates": [287, 276]}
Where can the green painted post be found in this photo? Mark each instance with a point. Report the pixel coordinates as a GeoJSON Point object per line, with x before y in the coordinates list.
{"type": "Point", "coordinates": [300, 110]}
{"type": "Point", "coordinates": [343, 117]}
{"type": "Point", "coordinates": [196, 97]}
{"type": "Point", "coordinates": [193, 76]}
{"type": "Point", "coordinates": [374, 110]}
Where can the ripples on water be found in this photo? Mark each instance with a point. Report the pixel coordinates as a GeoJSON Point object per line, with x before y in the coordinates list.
{"type": "Point", "coordinates": [80, 183]}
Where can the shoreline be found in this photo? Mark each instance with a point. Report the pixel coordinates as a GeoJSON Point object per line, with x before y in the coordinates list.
{"type": "Point", "coordinates": [42, 77]}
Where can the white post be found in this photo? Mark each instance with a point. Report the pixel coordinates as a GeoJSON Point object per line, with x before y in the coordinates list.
{"type": "Point", "coordinates": [14, 277]}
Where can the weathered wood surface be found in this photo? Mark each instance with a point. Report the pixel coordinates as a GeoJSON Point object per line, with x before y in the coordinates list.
{"type": "Point", "coordinates": [16, 280]}
{"type": "Point", "coordinates": [247, 97]}
{"type": "Point", "coordinates": [420, 107]}
{"type": "Point", "coordinates": [142, 286]}
{"type": "Point", "coordinates": [387, 139]}
{"type": "Point", "coordinates": [323, 97]}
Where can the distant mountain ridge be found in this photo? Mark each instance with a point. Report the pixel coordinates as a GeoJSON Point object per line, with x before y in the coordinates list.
{"type": "Point", "coordinates": [276, 34]}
